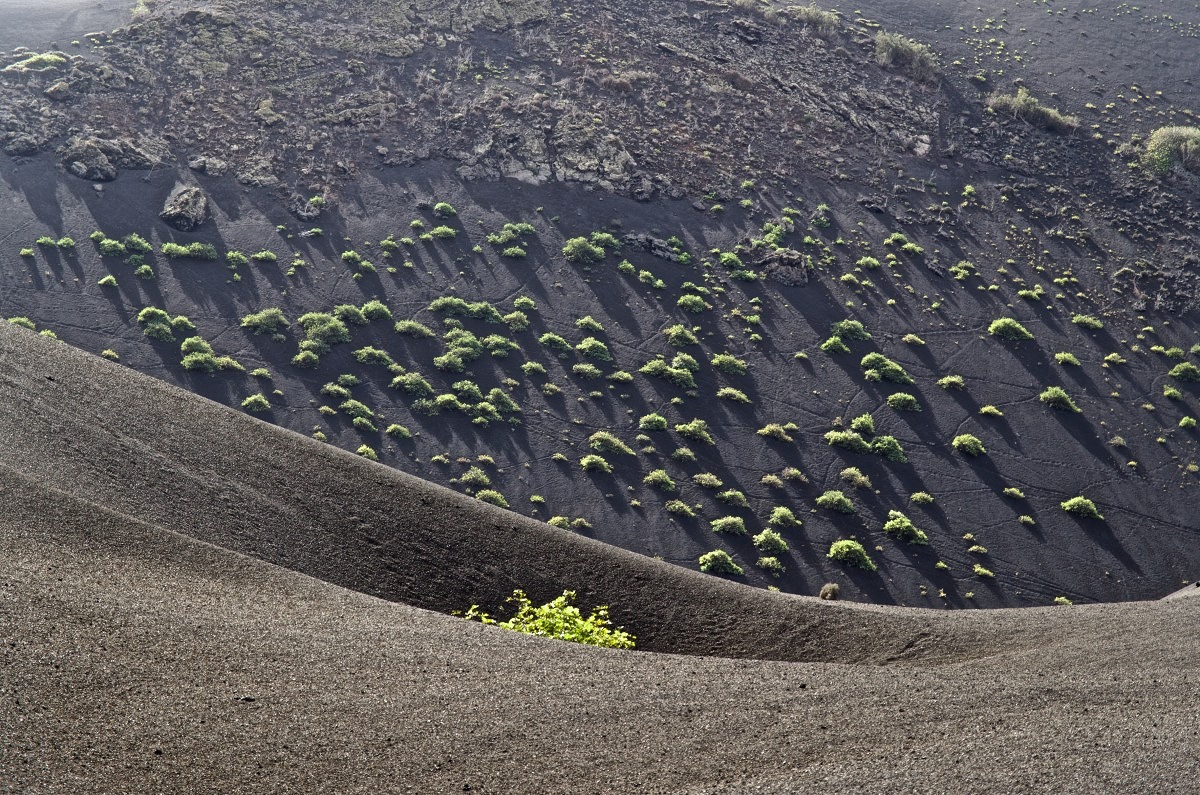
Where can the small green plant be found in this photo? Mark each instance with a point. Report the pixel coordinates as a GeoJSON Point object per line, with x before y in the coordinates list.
{"type": "Point", "coordinates": [1066, 358]}
{"type": "Point", "coordinates": [863, 424]}
{"type": "Point", "coordinates": [782, 516]}
{"type": "Point", "coordinates": [980, 571]}
{"type": "Point", "coordinates": [921, 498]}
{"type": "Point", "coordinates": [903, 401]}
{"type": "Point", "coordinates": [968, 445]}
{"type": "Point", "coordinates": [877, 367]}
{"type": "Point", "coordinates": [905, 55]}
{"type": "Point", "coordinates": [697, 430]}
{"type": "Point", "coordinates": [902, 527]}
{"type": "Point", "coordinates": [770, 542]}
{"type": "Point", "coordinates": [1081, 506]}
{"type": "Point", "coordinates": [595, 463]}
{"type": "Point", "coordinates": [729, 524]}
{"type": "Point", "coordinates": [659, 479]}
{"type": "Point", "coordinates": [1026, 107]}
{"type": "Point", "coordinates": [1057, 398]}
{"type": "Point", "coordinates": [559, 619]}
{"type": "Point", "coordinates": [1185, 371]}
{"type": "Point", "coordinates": [835, 501]}
{"type": "Point", "coordinates": [581, 251]}
{"type": "Point", "coordinates": [729, 364]}
{"type": "Point", "coordinates": [1088, 322]}
{"type": "Point", "coordinates": [1168, 147]}
{"type": "Point", "coordinates": [1009, 329]}
{"type": "Point", "coordinates": [256, 403]}
{"type": "Point", "coordinates": [851, 552]}
{"type": "Point", "coordinates": [774, 430]}
{"type": "Point", "coordinates": [719, 562]}
{"type": "Point", "coordinates": [954, 382]}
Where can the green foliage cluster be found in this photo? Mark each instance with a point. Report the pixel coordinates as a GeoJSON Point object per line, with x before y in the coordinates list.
{"type": "Point", "coordinates": [1024, 106]}
{"type": "Point", "coordinates": [1082, 506]}
{"type": "Point", "coordinates": [1172, 146]}
{"type": "Point", "coordinates": [1010, 329]}
{"type": "Point", "coordinates": [1057, 398]}
{"type": "Point", "coordinates": [877, 367]}
{"type": "Point", "coordinates": [719, 562]}
{"type": "Point", "coordinates": [902, 527]}
{"type": "Point", "coordinates": [267, 321]}
{"type": "Point", "coordinates": [851, 552]}
{"type": "Point", "coordinates": [559, 619]}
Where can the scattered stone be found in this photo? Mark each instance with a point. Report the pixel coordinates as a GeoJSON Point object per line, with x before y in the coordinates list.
{"type": "Point", "coordinates": [186, 208]}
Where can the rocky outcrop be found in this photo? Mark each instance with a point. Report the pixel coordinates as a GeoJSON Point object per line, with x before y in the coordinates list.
{"type": "Point", "coordinates": [101, 159]}
{"type": "Point", "coordinates": [186, 208]}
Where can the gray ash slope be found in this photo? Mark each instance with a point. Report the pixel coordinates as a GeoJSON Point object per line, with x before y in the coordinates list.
{"type": "Point", "coordinates": [140, 658]}
{"type": "Point", "coordinates": [651, 101]}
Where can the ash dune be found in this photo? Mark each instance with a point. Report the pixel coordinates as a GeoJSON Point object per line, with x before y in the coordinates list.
{"type": "Point", "coordinates": [141, 658]}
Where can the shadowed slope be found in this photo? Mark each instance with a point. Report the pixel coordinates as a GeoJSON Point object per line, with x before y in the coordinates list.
{"type": "Point", "coordinates": [112, 437]}
{"type": "Point", "coordinates": [139, 660]}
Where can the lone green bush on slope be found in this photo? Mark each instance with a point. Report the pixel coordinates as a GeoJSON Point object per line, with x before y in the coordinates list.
{"type": "Point", "coordinates": [559, 619]}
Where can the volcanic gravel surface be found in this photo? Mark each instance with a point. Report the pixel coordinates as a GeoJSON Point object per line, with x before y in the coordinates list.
{"type": "Point", "coordinates": [140, 657]}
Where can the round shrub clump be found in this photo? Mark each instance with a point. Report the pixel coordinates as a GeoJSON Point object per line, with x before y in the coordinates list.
{"type": "Point", "coordinates": [851, 552]}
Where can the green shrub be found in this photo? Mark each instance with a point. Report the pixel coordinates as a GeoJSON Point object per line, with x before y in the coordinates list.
{"type": "Point", "coordinates": [849, 551]}
{"type": "Point", "coordinates": [1168, 147]}
{"type": "Point", "coordinates": [902, 527]}
{"type": "Point", "coordinates": [1081, 506]}
{"type": "Point", "coordinates": [849, 440]}
{"type": "Point", "coordinates": [921, 498]}
{"type": "Point", "coordinates": [774, 430]}
{"type": "Point", "coordinates": [835, 501]}
{"type": "Point", "coordinates": [692, 303]}
{"type": "Point", "coordinates": [268, 321]}
{"type": "Point", "coordinates": [729, 364]}
{"type": "Point", "coordinates": [835, 345]}
{"type": "Point", "coordinates": [594, 349]}
{"type": "Point", "coordinates": [605, 442]}
{"type": "Point", "coordinates": [197, 250]}
{"type": "Point", "coordinates": [735, 395]}
{"type": "Point", "coordinates": [680, 335]}
{"type": "Point", "coordinates": [1057, 398]}
{"type": "Point", "coordinates": [322, 331]}
{"type": "Point", "coordinates": [697, 429]}
{"type": "Point", "coordinates": [850, 330]}
{"type": "Point", "coordinates": [653, 422]}
{"type": "Point", "coordinates": [1187, 423]}
{"type": "Point", "coordinates": [256, 403]}
{"type": "Point", "coordinates": [954, 382]}
{"type": "Point", "coordinates": [1088, 322]}
{"type": "Point", "coordinates": [729, 524]}
{"type": "Point", "coordinates": [679, 508]}
{"type": "Point", "coordinates": [585, 370]}
{"type": "Point", "coordinates": [884, 369]}
{"type": "Point", "coordinates": [444, 210]}
{"type": "Point", "coordinates": [863, 424]}
{"type": "Point", "coordinates": [595, 463]}
{"type": "Point", "coordinates": [108, 281]}
{"type": "Point", "coordinates": [990, 411]}
{"type": "Point", "coordinates": [888, 447]}
{"type": "Point", "coordinates": [397, 431]}
{"type": "Point", "coordinates": [734, 497]}
{"type": "Point", "coordinates": [1185, 371]}
{"type": "Point", "coordinates": [1025, 107]}
{"type": "Point", "coordinates": [980, 571]}
{"type": "Point", "coordinates": [581, 251]}
{"type": "Point", "coordinates": [770, 542]}
{"type": "Point", "coordinates": [659, 479]}
{"type": "Point", "coordinates": [1066, 358]}
{"type": "Point", "coordinates": [902, 401]}
{"type": "Point", "coordinates": [559, 619]}
{"type": "Point", "coordinates": [905, 55]}
{"type": "Point", "coordinates": [782, 516]}
{"type": "Point", "coordinates": [1009, 329]}
{"type": "Point", "coordinates": [707, 480]}
{"type": "Point", "coordinates": [967, 444]}
{"type": "Point", "coordinates": [719, 562]}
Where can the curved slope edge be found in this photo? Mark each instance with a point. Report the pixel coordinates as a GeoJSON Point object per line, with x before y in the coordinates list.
{"type": "Point", "coordinates": [139, 660]}
{"type": "Point", "coordinates": [112, 437]}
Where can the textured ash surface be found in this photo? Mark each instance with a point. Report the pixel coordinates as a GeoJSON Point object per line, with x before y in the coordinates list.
{"type": "Point", "coordinates": [139, 659]}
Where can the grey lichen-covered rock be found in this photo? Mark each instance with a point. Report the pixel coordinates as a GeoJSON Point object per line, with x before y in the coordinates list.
{"type": "Point", "coordinates": [186, 208]}
{"type": "Point", "coordinates": [257, 172]}
{"type": "Point", "coordinates": [206, 164]}
{"type": "Point", "coordinates": [101, 159]}
{"type": "Point", "coordinates": [60, 91]}
{"type": "Point", "coordinates": [591, 155]}
{"type": "Point", "coordinates": [90, 158]}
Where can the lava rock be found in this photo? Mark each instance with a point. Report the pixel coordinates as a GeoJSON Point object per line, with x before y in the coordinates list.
{"type": "Point", "coordinates": [186, 208]}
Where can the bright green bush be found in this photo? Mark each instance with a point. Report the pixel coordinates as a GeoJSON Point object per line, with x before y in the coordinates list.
{"type": "Point", "coordinates": [967, 444]}
{"type": "Point", "coordinates": [719, 562]}
{"type": "Point", "coordinates": [1009, 329]}
{"type": "Point", "coordinates": [1081, 506]}
{"type": "Point", "coordinates": [902, 527]}
{"type": "Point", "coordinates": [852, 552]}
{"type": "Point", "coordinates": [835, 501]}
{"type": "Point", "coordinates": [559, 619]}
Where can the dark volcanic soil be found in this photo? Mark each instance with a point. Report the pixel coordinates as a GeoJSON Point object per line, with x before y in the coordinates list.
{"type": "Point", "coordinates": [140, 659]}
{"type": "Point", "coordinates": [703, 127]}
